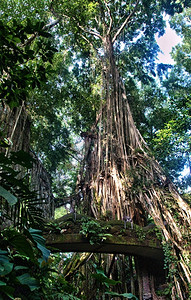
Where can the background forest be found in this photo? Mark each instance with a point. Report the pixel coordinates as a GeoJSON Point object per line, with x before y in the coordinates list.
{"type": "Point", "coordinates": [50, 63]}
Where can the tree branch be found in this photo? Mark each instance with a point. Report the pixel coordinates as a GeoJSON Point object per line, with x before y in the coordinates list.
{"type": "Point", "coordinates": [90, 31]}
{"type": "Point", "coordinates": [55, 14]}
{"type": "Point", "coordinates": [111, 20]}
{"type": "Point", "coordinates": [46, 27]}
{"type": "Point", "coordinates": [51, 24]}
{"type": "Point", "coordinates": [125, 22]}
{"type": "Point", "coordinates": [88, 41]}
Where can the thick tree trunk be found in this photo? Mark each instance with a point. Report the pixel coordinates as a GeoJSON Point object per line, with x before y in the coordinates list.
{"type": "Point", "coordinates": [122, 179]}
{"type": "Point", "coordinates": [15, 124]}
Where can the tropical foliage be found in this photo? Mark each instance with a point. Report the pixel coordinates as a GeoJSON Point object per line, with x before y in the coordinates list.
{"type": "Point", "coordinates": [55, 68]}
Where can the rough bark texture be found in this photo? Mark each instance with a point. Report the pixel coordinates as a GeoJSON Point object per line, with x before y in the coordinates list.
{"type": "Point", "coordinates": [41, 182]}
{"type": "Point", "coordinates": [15, 126]}
{"type": "Point", "coordinates": [121, 177]}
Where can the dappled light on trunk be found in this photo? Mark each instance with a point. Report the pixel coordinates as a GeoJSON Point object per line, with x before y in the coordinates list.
{"type": "Point", "coordinates": [121, 177]}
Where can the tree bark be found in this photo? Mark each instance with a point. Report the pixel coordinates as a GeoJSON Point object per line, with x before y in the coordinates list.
{"type": "Point", "coordinates": [130, 182]}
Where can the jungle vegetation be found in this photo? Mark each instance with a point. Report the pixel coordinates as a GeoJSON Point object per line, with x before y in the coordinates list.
{"type": "Point", "coordinates": [86, 72]}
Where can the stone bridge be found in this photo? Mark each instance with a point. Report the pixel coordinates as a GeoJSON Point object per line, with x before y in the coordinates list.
{"type": "Point", "coordinates": [67, 235]}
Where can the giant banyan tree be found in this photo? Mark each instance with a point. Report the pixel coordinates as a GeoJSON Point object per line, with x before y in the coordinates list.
{"type": "Point", "coordinates": [119, 176]}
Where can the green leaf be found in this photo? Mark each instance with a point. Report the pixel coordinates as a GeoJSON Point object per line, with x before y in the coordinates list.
{"type": "Point", "coordinates": [30, 54]}
{"type": "Point", "coordinates": [29, 27]}
{"type": "Point", "coordinates": [20, 242]}
{"type": "Point", "coordinates": [45, 34]}
{"type": "Point", "coordinates": [101, 277]}
{"type": "Point", "coordinates": [40, 241]}
{"type": "Point", "coordinates": [38, 26]}
{"type": "Point", "coordinates": [7, 290]}
{"type": "Point", "coordinates": [10, 37]}
{"type": "Point", "coordinates": [105, 280]}
{"type": "Point", "coordinates": [23, 246]}
{"type": "Point", "coordinates": [125, 295]}
{"type": "Point", "coordinates": [100, 271]}
{"type": "Point", "coordinates": [5, 265]}
{"type": "Point", "coordinates": [11, 199]}
{"type": "Point", "coordinates": [20, 268]}
{"type": "Point", "coordinates": [44, 250]}
{"type": "Point", "coordinates": [3, 252]}
{"type": "Point", "coordinates": [2, 283]}
{"type": "Point", "coordinates": [31, 282]}
{"type": "Point", "coordinates": [16, 40]}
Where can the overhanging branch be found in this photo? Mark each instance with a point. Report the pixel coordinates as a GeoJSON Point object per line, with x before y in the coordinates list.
{"type": "Point", "coordinates": [125, 22]}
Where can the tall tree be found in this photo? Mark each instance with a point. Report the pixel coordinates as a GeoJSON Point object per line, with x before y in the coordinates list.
{"type": "Point", "coordinates": [120, 174]}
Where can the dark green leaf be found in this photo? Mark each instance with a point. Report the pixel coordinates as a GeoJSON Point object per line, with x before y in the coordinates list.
{"type": "Point", "coordinates": [5, 265]}
{"type": "Point", "coordinates": [8, 291]}
{"type": "Point", "coordinates": [11, 199]}
{"type": "Point", "coordinates": [20, 242]}
{"type": "Point", "coordinates": [3, 252]}
{"type": "Point", "coordinates": [31, 282]}
{"type": "Point", "coordinates": [20, 268]}
{"type": "Point", "coordinates": [125, 295]}
{"type": "Point", "coordinates": [16, 40]}
{"type": "Point", "coordinates": [40, 241]}
{"type": "Point", "coordinates": [45, 34]}
{"type": "Point", "coordinates": [2, 283]}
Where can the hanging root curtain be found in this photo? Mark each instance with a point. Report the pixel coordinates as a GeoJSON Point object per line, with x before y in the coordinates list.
{"type": "Point", "coordinates": [121, 178]}
{"type": "Point", "coordinates": [15, 126]}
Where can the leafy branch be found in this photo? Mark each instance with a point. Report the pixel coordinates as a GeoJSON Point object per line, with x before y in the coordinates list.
{"type": "Point", "coordinates": [125, 22]}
